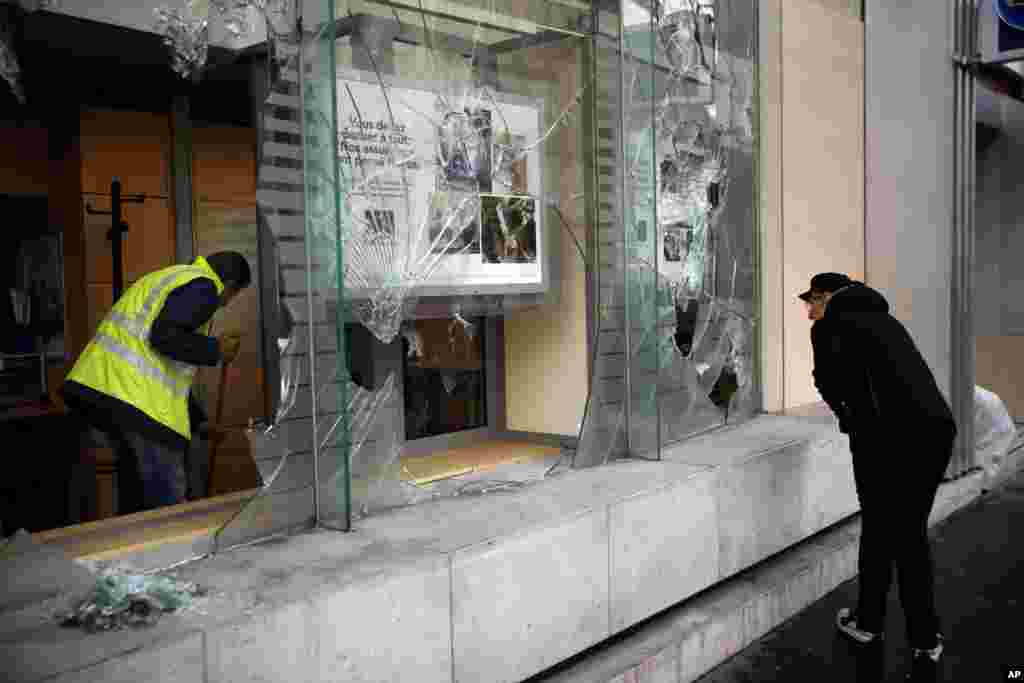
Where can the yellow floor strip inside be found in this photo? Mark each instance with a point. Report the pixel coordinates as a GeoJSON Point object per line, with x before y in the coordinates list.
{"type": "Point", "coordinates": [484, 456]}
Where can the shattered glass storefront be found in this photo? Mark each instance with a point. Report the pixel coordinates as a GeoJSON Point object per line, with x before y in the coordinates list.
{"type": "Point", "coordinates": [496, 241]}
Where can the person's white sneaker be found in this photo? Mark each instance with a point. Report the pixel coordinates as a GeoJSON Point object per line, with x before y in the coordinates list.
{"type": "Point", "coordinates": [933, 653]}
{"type": "Point", "coordinates": [846, 622]}
{"type": "Point", "coordinates": [924, 666]}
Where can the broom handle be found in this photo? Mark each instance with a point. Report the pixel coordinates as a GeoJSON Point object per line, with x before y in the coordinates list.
{"type": "Point", "coordinates": [220, 393]}
{"type": "Point", "coordinates": [216, 439]}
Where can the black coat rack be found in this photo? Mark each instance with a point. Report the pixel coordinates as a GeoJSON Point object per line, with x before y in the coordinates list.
{"type": "Point", "coordinates": [117, 228]}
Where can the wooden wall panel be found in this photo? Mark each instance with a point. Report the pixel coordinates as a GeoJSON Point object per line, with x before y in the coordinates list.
{"type": "Point", "coordinates": [232, 467]}
{"type": "Point", "coordinates": [133, 146]}
{"type": "Point", "coordinates": [244, 387]}
{"type": "Point", "coordinates": [224, 217]}
{"type": "Point", "coordinates": [100, 298]}
{"type": "Point", "coordinates": [221, 226]}
{"type": "Point", "coordinates": [148, 245]}
{"type": "Point", "coordinates": [224, 164]}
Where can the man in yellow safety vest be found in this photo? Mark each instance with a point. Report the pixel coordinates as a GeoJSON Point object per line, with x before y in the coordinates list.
{"type": "Point", "coordinates": [133, 381]}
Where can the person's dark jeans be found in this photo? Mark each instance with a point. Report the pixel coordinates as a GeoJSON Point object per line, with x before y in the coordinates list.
{"type": "Point", "coordinates": [149, 474]}
{"type": "Point", "coordinates": [897, 478]}
{"type": "Point", "coordinates": [153, 474]}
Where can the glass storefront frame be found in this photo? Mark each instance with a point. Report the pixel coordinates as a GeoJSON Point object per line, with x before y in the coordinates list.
{"type": "Point", "coordinates": [643, 393]}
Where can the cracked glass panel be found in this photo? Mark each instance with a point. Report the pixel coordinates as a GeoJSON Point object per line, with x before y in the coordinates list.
{"type": "Point", "coordinates": [319, 415]}
{"type": "Point", "coordinates": [677, 191]}
{"type": "Point", "coordinates": [640, 217]}
{"type": "Point", "coordinates": [281, 447]}
{"type": "Point", "coordinates": [462, 214]}
{"type": "Point", "coordinates": [188, 29]}
{"type": "Point", "coordinates": [186, 34]}
{"type": "Point", "coordinates": [525, 241]}
{"type": "Point", "coordinates": [603, 433]}
{"type": "Point", "coordinates": [707, 228]}
{"type": "Point", "coordinates": [705, 256]}
{"type": "Point", "coordinates": [10, 70]}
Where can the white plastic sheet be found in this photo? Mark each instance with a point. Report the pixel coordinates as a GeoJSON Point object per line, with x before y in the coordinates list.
{"type": "Point", "coordinates": [994, 433]}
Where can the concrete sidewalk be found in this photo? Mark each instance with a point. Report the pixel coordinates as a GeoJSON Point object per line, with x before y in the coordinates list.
{"type": "Point", "coordinates": [979, 563]}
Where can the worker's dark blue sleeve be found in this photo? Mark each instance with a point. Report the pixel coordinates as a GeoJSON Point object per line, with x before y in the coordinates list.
{"type": "Point", "coordinates": [196, 412]}
{"type": "Point", "coordinates": [175, 331]}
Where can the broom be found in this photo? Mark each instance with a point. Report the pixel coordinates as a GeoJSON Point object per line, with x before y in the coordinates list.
{"type": "Point", "coordinates": [216, 432]}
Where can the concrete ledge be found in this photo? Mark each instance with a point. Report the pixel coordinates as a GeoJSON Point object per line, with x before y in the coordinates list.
{"type": "Point", "coordinates": [684, 642]}
{"type": "Point", "coordinates": [498, 588]}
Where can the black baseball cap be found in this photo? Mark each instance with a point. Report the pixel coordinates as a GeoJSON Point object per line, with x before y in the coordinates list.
{"type": "Point", "coordinates": [826, 282]}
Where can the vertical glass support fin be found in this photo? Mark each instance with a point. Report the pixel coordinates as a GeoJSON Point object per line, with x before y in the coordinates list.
{"type": "Point", "coordinates": [325, 269]}
{"type": "Point", "coordinates": [640, 227]}
{"type": "Point", "coordinates": [603, 435]}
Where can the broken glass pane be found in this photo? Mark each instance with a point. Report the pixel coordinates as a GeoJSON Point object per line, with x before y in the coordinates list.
{"type": "Point", "coordinates": [186, 34]}
{"type": "Point", "coordinates": [687, 259]}
{"type": "Point", "coordinates": [706, 223]}
{"type": "Point", "coordinates": [187, 30]}
{"type": "Point", "coordinates": [9, 69]}
{"type": "Point", "coordinates": [640, 222]}
{"type": "Point", "coordinates": [668, 259]}
{"type": "Point", "coordinates": [445, 174]}
{"type": "Point", "coordinates": [297, 202]}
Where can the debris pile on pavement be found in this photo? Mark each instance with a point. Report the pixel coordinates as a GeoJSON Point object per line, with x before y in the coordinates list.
{"type": "Point", "coordinates": [119, 600]}
{"type": "Point", "coordinates": [39, 582]}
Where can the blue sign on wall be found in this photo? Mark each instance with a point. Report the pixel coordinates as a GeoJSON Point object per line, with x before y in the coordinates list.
{"type": "Point", "coordinates": [1011, 12]}
{"type": "Point", "coordinates": [1011, 24]}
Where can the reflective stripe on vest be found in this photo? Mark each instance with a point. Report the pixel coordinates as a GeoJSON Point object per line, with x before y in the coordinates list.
{"type": "Point", "coordinates": [138, 326]}
{"type": "Point", "coordinates": [115, 347]}
{"type": "Point", "coordinates": [122, 363]}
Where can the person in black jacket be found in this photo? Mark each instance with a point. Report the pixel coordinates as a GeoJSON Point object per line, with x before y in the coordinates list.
{"type": "Point", "coordinates": [871, 374]}
{"type": "Point", "coordinates": [136, 437]}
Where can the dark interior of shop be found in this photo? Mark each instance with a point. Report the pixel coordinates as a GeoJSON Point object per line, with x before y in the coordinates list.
{"type": "Point", "coordinates": [70, 65]}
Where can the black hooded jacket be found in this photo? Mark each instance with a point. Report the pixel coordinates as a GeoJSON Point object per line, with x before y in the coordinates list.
{"type": "Point", "coordinates": [868, 369]}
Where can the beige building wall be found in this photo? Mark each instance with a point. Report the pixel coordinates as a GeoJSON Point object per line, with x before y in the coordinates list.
{"type": "Point", "coordinates": [812, 175]}
{"type": "Point", "coordinates": [910, 148]}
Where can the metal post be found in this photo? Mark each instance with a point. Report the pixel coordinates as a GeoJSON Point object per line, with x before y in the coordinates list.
{"type": "Point", "coordinates": [956, 317]}
{"type": "Point", "coordinates": [968, 259]}
{"type": "Point", "coordinates": [310, 311]}
{"type": "Point", "coordinates": [181, 126]}
{"type": "Point", "coordinates": [626, 230]}
{"type": "Point", "coordinates": [115, 237]}
{"type": "Point", "coordinates": [655, 227]}
{"type": "Point", "coordinates": [962, 328]}
{"type": "Point", "coordinates": [117, 228]}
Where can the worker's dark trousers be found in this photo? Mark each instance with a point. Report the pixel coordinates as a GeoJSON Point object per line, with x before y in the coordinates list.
{"type": "Point", "coordinates": [897, 473]}
{"type": "Point", "coordinates": [153, 474]}
{"type": "Point", "coordinates": [149, 474]}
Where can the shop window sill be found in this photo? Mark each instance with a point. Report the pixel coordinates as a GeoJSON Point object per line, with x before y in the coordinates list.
{"type": "Point", "coordinates": [119, 537]}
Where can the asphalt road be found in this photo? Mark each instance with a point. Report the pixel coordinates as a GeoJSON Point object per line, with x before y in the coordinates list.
{"type": "Point", "coordinates": [979, 588]}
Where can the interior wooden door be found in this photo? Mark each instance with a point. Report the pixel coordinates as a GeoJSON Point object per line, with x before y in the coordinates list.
{"type": "Point", "coordinates": [134, 147]}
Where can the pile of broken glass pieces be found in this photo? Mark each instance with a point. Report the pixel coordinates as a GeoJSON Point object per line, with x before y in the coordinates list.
{"type": "Point", "coordinates": [124, 600]}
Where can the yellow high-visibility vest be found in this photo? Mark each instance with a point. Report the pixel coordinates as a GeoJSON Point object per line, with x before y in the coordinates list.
{"type": "Point", "coordinates": [120, 362]}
